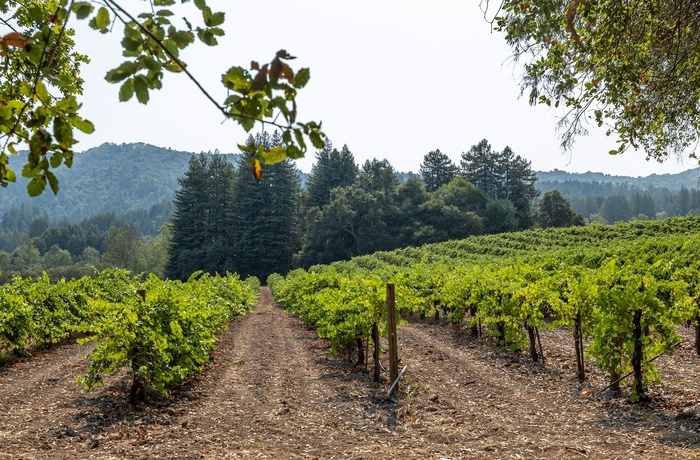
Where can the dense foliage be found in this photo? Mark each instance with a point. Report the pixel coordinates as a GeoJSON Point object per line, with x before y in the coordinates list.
{"type": "Point", "coordinates": [29, 244]}
{"type": "Point", "coordinates": [624, 287]}
{"type": "Point", "coordinates": [227, 220]}
{"type": "Point", "coordinates": [347, 211]}
{"type": "Point", "coordinates": [41, 79]}
{"type": "Point", "coordinates": [631, 67]}
{"type": "Point", "coordinates": [162, 337]}
{"type": "Point", "coordinates": [200, 230]}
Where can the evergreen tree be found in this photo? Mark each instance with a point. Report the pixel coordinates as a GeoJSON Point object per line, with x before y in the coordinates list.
{"type": "Point", "coordinates": [331, 233]}
{"type": "Point", "coordinates": [517, 185]}
{"type": "Point", "coordinates": [616, 208]}
{"type": "Point", "coordinates": [379, 177]}
{"type": "Point", "coordinates": [502, 176]}
{"type": "Point", "coordinates": [681, 203]}
{"type": "Point", "coordinates": [332, 169]}
{"type": "Point", "coordinates": [478, 166]}
{"type": "Point", "coordinates": [555, 211]}
{"type": "Point", "coordinates": [200, 233]}
{"type": "Point", "coordinates": [643, 205]}
{"type": "Point", "coordinates": [264, 217]}
{"type": "Point", "coordinates": [437, 170]}
{"type": "Point", "coordinates": [410, 197]}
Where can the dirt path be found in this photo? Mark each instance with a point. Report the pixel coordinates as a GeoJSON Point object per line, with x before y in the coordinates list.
{"type": "Point", "coordinates": [273, 391]}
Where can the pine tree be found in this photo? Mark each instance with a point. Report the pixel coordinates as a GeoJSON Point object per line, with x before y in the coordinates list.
{"type": "Point", "coordinates": [517, 185]}
{"type": "Point", "coordinates": [200, 233]}
{"type": "Point", "coordinates": [332, 169]}
{"type": "Point", "coordinates": [478, 166]}
{"type": "Point", "coordinates": [264, 217]}
{"type": "Point", "coordinates": [437, 170]}
{"type": "Point", "coordinates": [502, 176]}
{"type": "Point", "coordinates": [379, 177]}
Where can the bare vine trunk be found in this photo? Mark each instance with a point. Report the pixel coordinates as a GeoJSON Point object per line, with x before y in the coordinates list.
{"type": "Point", "coordinates": [360, 351]}
{"type": "Point", "coordinates": [696, 323]}
{"type": "Point", "coordinates": [637, 356]}
{"type": "Point", "coordinates": [578, 341]}
{"type": "Point", "coordinates": [375, 341]}
{"type": "Point", "coordinates": [534, 355]}
{"type": "Point", "coordinates": [475, 324]}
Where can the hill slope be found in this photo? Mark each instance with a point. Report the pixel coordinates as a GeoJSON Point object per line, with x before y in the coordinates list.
{"type": "Point", "coordinates": [673, 182]}
{"type": "Point", "coordinates": [108, 178]}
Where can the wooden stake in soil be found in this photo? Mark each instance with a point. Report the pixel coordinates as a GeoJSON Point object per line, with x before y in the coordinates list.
{"type": "Point", "coordinates": [393, 344]}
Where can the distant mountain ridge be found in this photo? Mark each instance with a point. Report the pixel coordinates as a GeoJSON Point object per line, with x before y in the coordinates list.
{"type": "Point", "coordinates": [109, 178]}
{"type": "Point", "coordinates": [688, 179]}
{"type": "Point", "coordinates": [136, 176]}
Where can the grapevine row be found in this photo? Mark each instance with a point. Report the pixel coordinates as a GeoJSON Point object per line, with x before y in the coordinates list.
{"type": "Point", "coordinates": [621, 289]}
{"type": "Point", "coordinates": [161, 338]}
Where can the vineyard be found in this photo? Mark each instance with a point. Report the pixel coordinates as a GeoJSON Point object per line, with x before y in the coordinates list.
{"type": "Point", "coordinates": [162, 331]}
{"type": "Point", "coordinates": [553, 344]}
{"type": "Point", "coordinates": [622, 291]}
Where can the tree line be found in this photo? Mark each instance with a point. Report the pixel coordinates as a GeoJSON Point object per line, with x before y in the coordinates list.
{"type": "Point", "coordinates": [32, 242]}
{"type": "Point", "coordinates": [605, 202]}
{"type": "Point", "coordinates": [223, 219]}
{"type": "Point", "coordinates": [226, 220]}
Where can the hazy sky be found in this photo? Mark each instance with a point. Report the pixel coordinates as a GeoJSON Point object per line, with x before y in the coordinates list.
{"type": "Point", "coordinates": [391, 79]}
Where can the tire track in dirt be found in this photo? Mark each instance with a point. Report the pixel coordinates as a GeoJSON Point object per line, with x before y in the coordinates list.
{"type": "Point", "coordinates": [271, 394]}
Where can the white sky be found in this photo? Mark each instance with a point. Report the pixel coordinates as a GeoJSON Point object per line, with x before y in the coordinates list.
{"type": "Point", "coordinates": [391, 79]}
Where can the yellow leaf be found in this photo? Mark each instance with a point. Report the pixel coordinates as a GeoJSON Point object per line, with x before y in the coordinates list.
{"type": "Point", "coordinates": [274, 155]}
{"type": "Point", "coordinates": [257, 170]}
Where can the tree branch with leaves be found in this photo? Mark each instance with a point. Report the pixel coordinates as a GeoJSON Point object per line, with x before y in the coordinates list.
{"type": "Point", "coordinates": [41, 82]}
{"type": "Point", "coordinates": [632, 68]}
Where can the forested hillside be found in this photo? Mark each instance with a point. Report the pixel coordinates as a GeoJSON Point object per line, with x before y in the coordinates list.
{"type": "Point", "coordinates": [116, 198]}
{"type": "Point", "coordinates": [604, 198]}
{"type": "Point", "coordinates": [689, 179]}
{"type": "Point", "coordinates": [109, 178]}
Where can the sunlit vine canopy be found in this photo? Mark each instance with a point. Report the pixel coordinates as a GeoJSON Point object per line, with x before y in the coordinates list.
{"type": "Point", "coordinates": [630, 67]}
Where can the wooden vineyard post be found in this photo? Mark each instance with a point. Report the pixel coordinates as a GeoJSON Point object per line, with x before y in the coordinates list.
{"type": "Point", "coordinates": [393, 344]}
